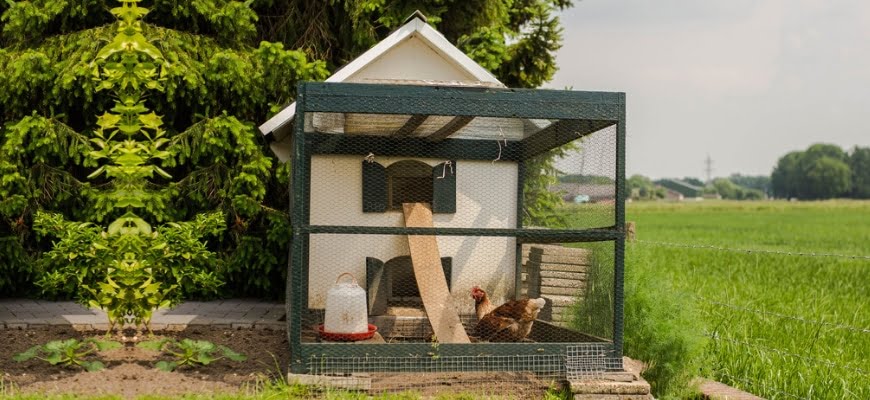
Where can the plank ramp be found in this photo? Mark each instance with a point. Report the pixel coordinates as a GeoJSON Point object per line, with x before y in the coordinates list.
{"type": "Point", "coordinates": [426, 260]}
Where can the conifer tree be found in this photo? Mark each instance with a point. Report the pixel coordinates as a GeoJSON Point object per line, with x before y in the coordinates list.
{"type": "Point", "coordinates": [229, 65]}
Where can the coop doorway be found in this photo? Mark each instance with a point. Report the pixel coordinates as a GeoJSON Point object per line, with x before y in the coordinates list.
{"type": "Point", "coordinates": [392, 286]}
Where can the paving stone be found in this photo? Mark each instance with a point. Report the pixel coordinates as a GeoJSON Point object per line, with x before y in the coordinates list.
{"type": "Point", "coordinates": [720, 391]}
{"type": "Point", "coordinates": [201, 321]}
{"type": "Point", "coordinates": [173, 319]}
{"type": "Point", "coordinates": [33, 321]}
{"type": "Point", "coordinates": [83, 319]}
{"type": "Point", "coordinates": [21, 313]}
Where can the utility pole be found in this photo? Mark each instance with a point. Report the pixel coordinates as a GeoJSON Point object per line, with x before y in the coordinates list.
{"type": "Point", "coordinates": [708, 168]}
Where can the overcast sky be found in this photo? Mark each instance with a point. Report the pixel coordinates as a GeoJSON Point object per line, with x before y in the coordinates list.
{"type": "Point", "coordinates": [743, 81]}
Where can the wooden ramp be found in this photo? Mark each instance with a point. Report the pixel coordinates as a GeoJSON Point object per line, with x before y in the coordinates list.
{"type": "Point", "coordinates": [426, 259]}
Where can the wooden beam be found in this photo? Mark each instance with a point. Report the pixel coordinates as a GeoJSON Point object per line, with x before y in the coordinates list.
{"type": "Point", "coordinates": [449, 128]}
{"type": "Point", "coordinates": [475, 102]}
{"type": "Point", "coordinates": [448, 149]}
{"type": "Point", "coordinates": [560, 133]}
{"type": "Point", "coordinates": [411, 125]}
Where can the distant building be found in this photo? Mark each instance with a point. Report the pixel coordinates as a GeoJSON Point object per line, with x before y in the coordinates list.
{"type": "Point", "coordinates": [683, 188]}
{"type": "Point", "coordinates": [584, 193]}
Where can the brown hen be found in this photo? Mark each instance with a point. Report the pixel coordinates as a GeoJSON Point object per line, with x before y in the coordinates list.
{"type": "Point", "coordinates": [509, 322]}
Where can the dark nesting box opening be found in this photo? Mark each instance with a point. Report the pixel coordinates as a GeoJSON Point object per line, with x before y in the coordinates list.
{"type": "Point", "coordinates": [393, 284]}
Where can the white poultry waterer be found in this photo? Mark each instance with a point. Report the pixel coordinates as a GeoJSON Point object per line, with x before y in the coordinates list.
{"type": "Point", "coordinates": [346, 309]}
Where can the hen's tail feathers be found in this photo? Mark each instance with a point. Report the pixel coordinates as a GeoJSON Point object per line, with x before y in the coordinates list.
{"type": "Point", "coordinates": [540, 302]}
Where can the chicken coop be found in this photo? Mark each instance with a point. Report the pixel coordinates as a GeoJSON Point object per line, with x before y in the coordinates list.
{"type": "Point", "coordinates": [426, 208]}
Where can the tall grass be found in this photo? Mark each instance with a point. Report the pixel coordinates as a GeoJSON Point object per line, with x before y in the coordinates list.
{"type": "Point", "coordinates": [778, 325]}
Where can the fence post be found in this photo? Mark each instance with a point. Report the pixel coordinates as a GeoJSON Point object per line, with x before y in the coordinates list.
{"type": "Point", "coordinates": [630, 231]}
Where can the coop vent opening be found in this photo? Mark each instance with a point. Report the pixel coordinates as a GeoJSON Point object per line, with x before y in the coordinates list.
{"type": "Point", "coordinates": [408, 181]}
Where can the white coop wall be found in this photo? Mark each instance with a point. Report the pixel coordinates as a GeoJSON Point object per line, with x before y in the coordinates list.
{"type": "Point", "coordinates": [485, 198]}
{"type": "Point", "coordinates": [413, 58]}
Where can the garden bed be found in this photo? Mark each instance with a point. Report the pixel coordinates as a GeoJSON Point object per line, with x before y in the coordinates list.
{"type": "Point", "coordinates": [129, 371]}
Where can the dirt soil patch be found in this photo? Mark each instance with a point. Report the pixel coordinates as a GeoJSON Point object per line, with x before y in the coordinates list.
{"type": "Point", "coordinates": [130, 372]}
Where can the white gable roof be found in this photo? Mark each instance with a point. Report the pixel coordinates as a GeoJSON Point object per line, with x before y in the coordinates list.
{"type": "Point", "coordinates": [434, 59]}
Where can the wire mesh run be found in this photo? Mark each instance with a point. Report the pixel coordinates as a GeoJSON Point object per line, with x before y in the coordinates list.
{"type": "Point", "coordinates": [522, 376]}
{"type": "Point", "coordinates": [483, 222]}
{"type": "Point", "coordinates": [565, 292]}
{"type": "Point", "coordinates": [585, 362]}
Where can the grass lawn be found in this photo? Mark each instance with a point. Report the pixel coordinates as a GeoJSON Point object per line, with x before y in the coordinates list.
{"type": "Point", "coordinates": [780, 325]}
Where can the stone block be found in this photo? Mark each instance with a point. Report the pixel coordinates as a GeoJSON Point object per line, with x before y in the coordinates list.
{"type": "Point", "coordinates": [562, 283]}
{"type": "Point", "coordinates": [562, 291]}
{"type": "Point", "coordinates": [603, 387]}
{"type": "Point", "coordinates": [559, 301]}
{"type": "Point", "coordinates": [577, 276]}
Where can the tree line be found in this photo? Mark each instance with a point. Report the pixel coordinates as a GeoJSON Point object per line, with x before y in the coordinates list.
{"type": "Point", "coordinates": [823, 171]}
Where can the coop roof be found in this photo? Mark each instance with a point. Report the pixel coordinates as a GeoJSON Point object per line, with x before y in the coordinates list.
{"type": "Point", "coordinates": [417, 54]}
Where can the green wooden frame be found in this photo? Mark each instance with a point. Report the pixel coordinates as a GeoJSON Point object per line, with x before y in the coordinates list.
{"type": "Point", "coordinates": [580, 112]}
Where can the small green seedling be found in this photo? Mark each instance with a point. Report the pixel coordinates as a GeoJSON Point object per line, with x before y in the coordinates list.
{"type": "Point", "coordinates": [189, 352]}
{"type": "Point", "coordinates": [69, 352]}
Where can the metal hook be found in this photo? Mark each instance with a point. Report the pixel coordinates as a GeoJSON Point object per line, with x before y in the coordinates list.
{"type": "Point", "coordinates": [498, 142]}
{"type": "Point", "coordinates": [447, 163]}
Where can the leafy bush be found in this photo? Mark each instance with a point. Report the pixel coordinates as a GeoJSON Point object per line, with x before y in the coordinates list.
{"type": "Point", "coordinates": [187, 352]}
{"type": "Point", "coordinates": [128, 270]}
{"type": "Point", "coordinates": [16, 270]}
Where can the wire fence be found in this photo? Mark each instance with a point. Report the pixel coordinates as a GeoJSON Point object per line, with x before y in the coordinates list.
{"type": "Point", "coordinates": [829, 363]}
{"type": "Point", "coordinates": [751, 382]}
{"type": "Point", "coordinates": [752, 251]}
{"type": "Point", "coordinates": [783, 316]}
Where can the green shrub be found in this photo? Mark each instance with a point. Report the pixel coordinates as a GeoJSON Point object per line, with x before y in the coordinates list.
{"type": "Point", "coordinates": [663, 328]}
{"type": "Point", "coordinates": [660, 328]}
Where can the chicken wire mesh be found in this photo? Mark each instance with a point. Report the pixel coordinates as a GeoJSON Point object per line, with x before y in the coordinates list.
{"type": "Point", "coordinates": [491, 235]}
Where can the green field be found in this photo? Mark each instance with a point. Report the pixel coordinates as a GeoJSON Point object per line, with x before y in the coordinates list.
{"type": "Point", "coordinates": [779, 324]}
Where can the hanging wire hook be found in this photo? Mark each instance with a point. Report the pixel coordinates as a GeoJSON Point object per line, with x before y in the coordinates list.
{"type": "Point", "coordinates": [447, 163]}
{"type": "Point", "coordinates": [498, 142]}
{"type": "Point", "coordinates": [370, 158]}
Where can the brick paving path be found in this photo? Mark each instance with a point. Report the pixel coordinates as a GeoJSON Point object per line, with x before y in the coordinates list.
{"type": "Point", "coordinates": [230, 313]}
